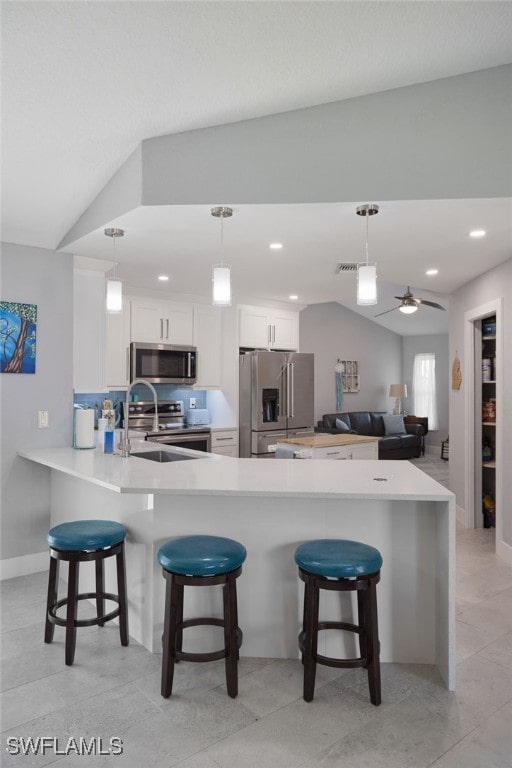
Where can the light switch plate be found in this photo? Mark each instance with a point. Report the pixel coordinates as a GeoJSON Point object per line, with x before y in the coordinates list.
{"type": "Point", "coordinates": [42, 419]}
{"type": "Point", "coordinates": [192, 402]}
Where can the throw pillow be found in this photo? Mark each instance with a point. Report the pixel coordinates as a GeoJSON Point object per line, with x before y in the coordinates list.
{"type": "Point", "coordinates": [341, 426]}
{"type": "Point", "coordinates": [393, 425]}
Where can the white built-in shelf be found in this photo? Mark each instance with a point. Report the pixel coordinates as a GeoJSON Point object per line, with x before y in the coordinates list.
{"type": "Point", "coordinates": [489, 464]}
{"type": "Point", "coordinates": [491, 381]}
{"type": "Point", "coordinates": [488, 423]}
{"type": "Point", "coordinates": [485, 338]}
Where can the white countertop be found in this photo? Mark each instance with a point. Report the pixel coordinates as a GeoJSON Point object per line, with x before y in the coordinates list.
{"type": "Point", "coordinates": [220, 475]}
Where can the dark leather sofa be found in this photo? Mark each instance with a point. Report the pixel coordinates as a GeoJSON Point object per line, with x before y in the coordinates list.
{"type": "Point", "coordinates": [397, 446]}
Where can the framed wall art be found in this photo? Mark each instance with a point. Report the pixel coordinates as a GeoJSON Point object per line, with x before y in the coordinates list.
{"type": "Point", "coordinates": [18, 326]}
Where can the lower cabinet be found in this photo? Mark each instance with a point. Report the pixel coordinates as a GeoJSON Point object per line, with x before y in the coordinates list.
{"type": "Point", "coordinates": [225, 442]}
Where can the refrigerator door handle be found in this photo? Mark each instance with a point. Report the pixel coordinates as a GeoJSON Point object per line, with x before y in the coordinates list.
{"type": "Point", "coordinates": [288, 382]}
{"type": "Point", "coordinates": [292, 390]}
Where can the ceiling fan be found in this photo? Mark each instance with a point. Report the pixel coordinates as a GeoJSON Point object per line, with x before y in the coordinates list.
{"type": "Point", "coordinates": [410, 304]}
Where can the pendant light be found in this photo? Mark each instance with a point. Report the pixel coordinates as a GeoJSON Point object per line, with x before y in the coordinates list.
{"type": "Point", "coordinates": [221, 273]}
{"type": "Point", "coordinates": [114, 287]}
{"type": "Point", "coordinates": [367, 271]}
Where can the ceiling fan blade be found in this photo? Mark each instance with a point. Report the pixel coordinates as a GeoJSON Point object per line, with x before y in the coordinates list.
{"type": "Point", "coordinates": [386, 312]}
{"type": "Point", "coordinates": [431, 304]}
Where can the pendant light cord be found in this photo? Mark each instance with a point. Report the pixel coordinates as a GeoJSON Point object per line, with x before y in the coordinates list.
{"type": "Point", "coordinates": [366, 216]}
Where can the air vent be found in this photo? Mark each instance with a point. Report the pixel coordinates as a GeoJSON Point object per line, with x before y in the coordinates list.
{"type": "Point", "coordinates": [346, 266]}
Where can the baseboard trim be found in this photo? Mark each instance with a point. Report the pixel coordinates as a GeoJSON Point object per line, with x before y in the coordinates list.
{"type": "Point", "coordinates": [462, 516]}
{"type": "Point", "coordinates": [24, 565]}
{"type": "Point", "coordinates": [504, 552]}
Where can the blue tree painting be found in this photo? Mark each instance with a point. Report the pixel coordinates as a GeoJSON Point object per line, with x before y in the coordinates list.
{"type": "Point", "coordinates": [17, 337]}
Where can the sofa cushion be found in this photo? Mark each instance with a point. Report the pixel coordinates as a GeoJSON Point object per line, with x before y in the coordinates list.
{"type": "Point", "coordinates": [361, 422]}
{"type": "Point", "coordinates": [377, 424]}
{"type": "Point", "coordinates": [341, 425]}
{"type": "Point", "coordinates": [393, 425]}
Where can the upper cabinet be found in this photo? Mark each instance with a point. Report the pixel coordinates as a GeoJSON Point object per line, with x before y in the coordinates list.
{"type": "Point", "coordinates": [118, 347]}
{"type": "Point", "coordinates": [265, 328]}
{"type": "Point", "coordinates": [88, 331]}
{"type": "Point", "coordinates": [208, 340]}
{"type": "Point", "coordinates": [161, 322]}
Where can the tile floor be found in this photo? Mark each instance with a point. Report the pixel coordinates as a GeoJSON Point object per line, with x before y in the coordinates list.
{"type": "Point", "coordinates": [114, 691]}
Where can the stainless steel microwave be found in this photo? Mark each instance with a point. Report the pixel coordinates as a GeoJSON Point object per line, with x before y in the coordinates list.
{"type": "Point", "coordinates": [163, 363]}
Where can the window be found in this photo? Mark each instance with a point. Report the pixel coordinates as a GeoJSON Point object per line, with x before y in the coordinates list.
{"type": "Point", "coordinates": [424, 388]}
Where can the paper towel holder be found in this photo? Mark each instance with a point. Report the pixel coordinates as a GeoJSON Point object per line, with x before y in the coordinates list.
{"type": "Point", "coordinates": [76, 409]}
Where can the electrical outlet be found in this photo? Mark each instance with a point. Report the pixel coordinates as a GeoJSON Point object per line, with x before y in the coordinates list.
{"type": "Point", "coordinates": [192, 402]}
{"type": "Point", "coordinates": [42, 419]}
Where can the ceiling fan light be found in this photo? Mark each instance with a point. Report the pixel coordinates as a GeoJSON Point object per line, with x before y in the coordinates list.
{"type": "Point", "coordinates": [408, 309]}
{"type": "Point", "coordinates": [221, 283]}
{"type": "Point", "coordinates": [366, 283]}
{"type": "Point", "coordinates": [114, 297]}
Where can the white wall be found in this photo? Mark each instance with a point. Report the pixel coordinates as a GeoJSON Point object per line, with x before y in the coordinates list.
{"type": "Point", "coordinates": [438, 345]}
{"type": "Point", "coordinates": [332, 331]}
{"type": "Point", "coordinates": [492, 286]}
{"type": "Point", "coordinates": [42, 277]}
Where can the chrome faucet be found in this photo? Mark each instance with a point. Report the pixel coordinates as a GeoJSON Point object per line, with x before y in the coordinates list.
{"type": "Point", "coordinates": [125, 445]}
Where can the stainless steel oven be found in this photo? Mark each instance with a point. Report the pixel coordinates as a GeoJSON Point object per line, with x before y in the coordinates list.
{"type": "Point", "coordinates": [171, 425]}
{"type": "Point", "coordinates": [193, 439]}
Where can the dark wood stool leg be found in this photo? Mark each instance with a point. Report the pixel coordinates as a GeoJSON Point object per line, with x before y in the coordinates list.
{"type": "Point", "coordinates": [100, 589]}
{"type": "Point", "coordinates": [172, 608]}
{"type": "Point", "coordinates": [53, 584]}
{"type": "Point", "coordinates": [123, 602]}
{"type": "Point", "coordinates": [310, 640]}
{"type": "Point", "coordinates": [230, 636]}
{"type": "Point", "coordinates": [71, 613]}
{"type": "Point", "coordinates": [373, 643]}
{"type": "Point", "coordinates": [178, 643]}
{"type": "Point", "coordinates": [361, 614]}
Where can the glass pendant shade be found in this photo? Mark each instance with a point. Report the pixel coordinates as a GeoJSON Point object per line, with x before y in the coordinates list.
{"type": "Point", "coordinates": [221, 281]}
{"type": "Point", "coordinates": [367, 283]}
{"type": "Point", "coordinates": [114, 296]}
{"type": "Point", "coordinates": [408, 309]}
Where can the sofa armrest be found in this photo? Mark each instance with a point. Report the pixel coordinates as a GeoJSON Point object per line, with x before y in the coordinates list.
{"type": "Point", "coordinates": [414, 429]}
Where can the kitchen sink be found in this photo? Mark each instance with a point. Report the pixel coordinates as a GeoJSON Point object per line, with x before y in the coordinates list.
{"type": "Point", "coordinates": [162, 456]}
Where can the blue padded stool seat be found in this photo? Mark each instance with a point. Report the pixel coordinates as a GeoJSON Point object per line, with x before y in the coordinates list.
{"type": "Point", "coordinates": [78, 542]}
{"type": "Point", "coordinates": [86, 535]}
{"type": "Point", "coordinates": [201, 555]}
{"type": "Point", "coordinates": [200, 561]}
{"type": "Point", "coordinates": [340, 565]}
{"type": "Point", "coordinates": [338, 558]}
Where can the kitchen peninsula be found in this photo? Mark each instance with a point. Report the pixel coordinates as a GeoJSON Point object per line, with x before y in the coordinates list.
{"type": "Point", "coordinates": [271, 507]}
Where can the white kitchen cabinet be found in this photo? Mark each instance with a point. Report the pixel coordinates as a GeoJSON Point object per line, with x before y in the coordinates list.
{"type": "Point", "coordinates": [208, 340]}
{"type": "Point", "coordinates": [265, 328]}
{"type": "Point", "coordinates": [118, 348]}
{"type": "Point", "coordinates": [161, 322]}
{"type": "Point", "coordinates": [326, 447]}
{"type": "Point", "coordinates": [225, 442]}
{"type": "Point", "coordinates": [88, 331]}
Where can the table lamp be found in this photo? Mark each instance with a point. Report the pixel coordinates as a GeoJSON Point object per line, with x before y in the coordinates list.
{"type": "Point", "coordinates": [398, 391]}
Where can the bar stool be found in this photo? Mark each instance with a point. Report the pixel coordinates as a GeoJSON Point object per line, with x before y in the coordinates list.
{"type": "Point", "coordinates": [77, 542]}
{"type": "Point", "coordinates": [200, 561]}
{"type": "Point", "coordinates": [340, 565]}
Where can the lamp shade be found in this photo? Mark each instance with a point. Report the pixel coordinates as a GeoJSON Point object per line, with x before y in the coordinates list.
{"type": "Point", "coordinates": [367, 283]}
{"type": "Point", "coordinates": [398, 390]}
{"type": "Point", "coordinates": [221, 281]}
{"type": "Point", "coordinates": [114, 296]}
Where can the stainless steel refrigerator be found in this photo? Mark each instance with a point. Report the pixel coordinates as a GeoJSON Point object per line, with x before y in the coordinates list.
{"type": "Point", "coordinates": [276, 399]}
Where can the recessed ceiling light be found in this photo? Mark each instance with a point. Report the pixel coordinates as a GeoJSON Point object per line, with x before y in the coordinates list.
{"type": "Point", "coordinates": [293, 297]}
{"type": "Point", "coordinates": [163, 278]}
{"type": "Point", "coordinates": [432, 272]}
{"type": "Point", "coordinates": [276, 246]}
{"type": "Point", "coordinates": [477, 233]}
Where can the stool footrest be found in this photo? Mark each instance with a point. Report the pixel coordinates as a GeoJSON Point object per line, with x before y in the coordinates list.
{"type": "Point", "coordinates": [180, 655]}
{"type": "Point", "coordinates": [61, 622]}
